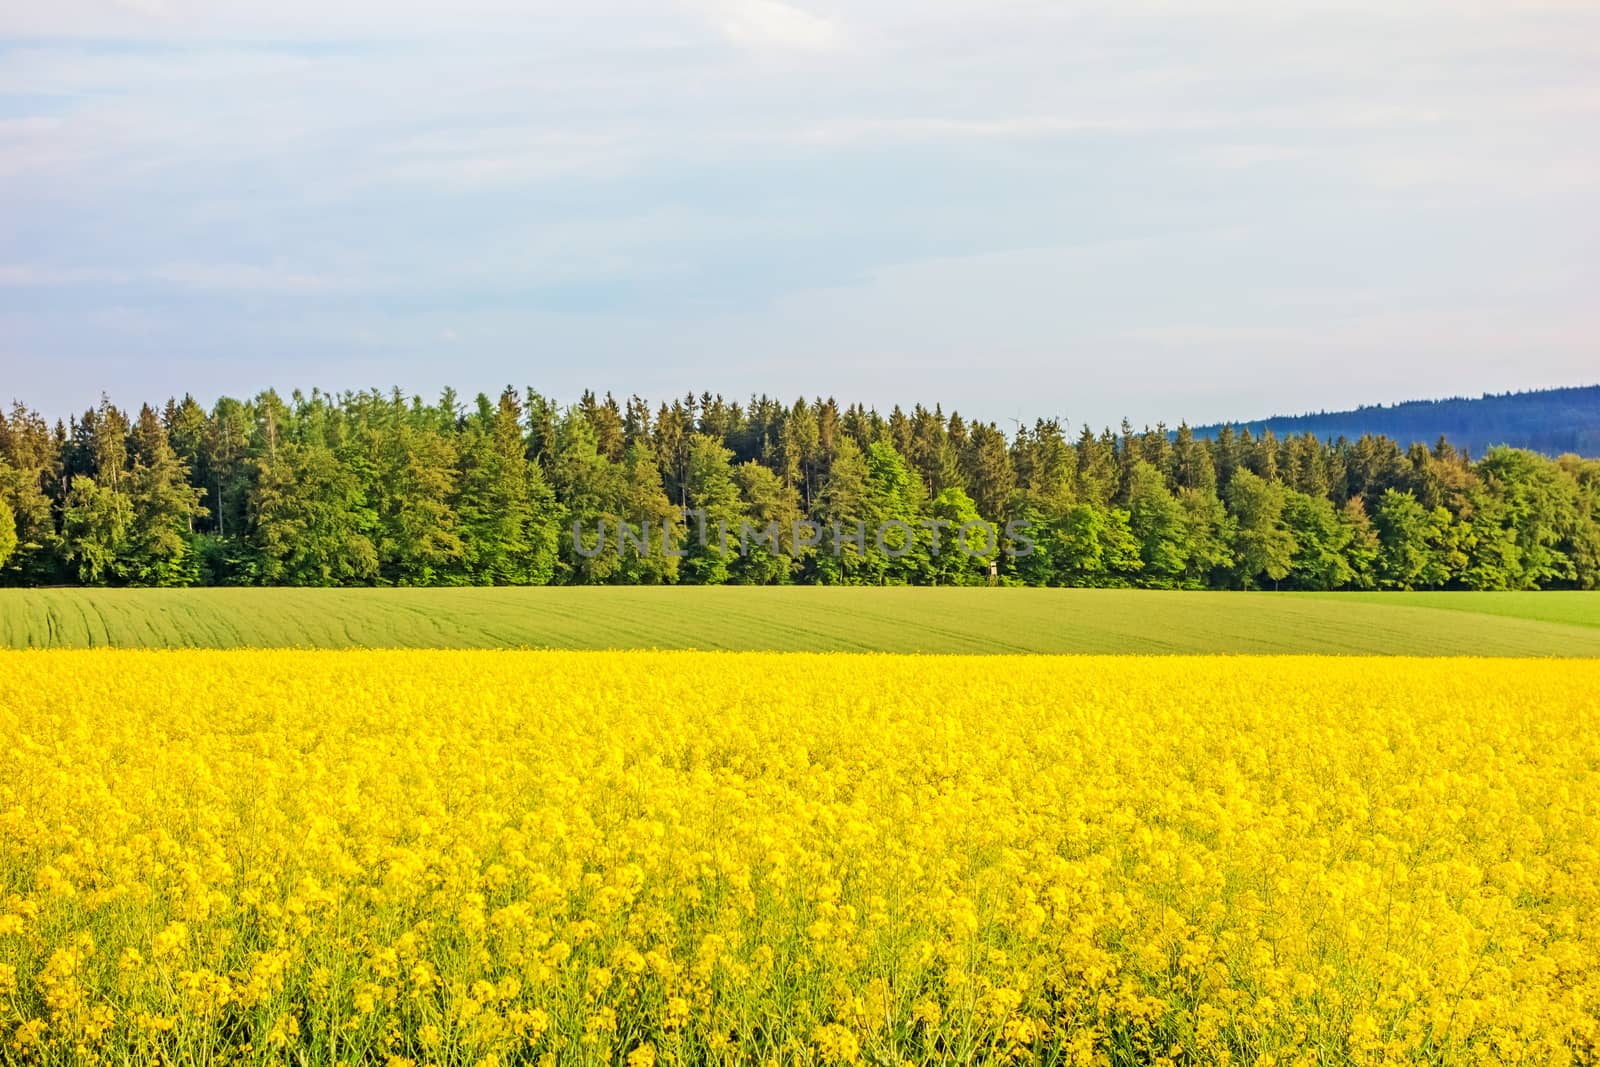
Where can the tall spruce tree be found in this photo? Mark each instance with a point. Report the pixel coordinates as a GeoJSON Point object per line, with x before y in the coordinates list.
{"type": "Point", "coordinates": [164, 506]}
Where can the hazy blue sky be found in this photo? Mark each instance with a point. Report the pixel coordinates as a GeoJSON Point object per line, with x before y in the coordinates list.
{"type": "Point", "coordinates": [1205, 208]}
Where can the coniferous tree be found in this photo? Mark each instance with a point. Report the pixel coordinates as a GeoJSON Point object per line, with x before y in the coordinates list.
{"type": "Point", "coordinates": [164, 508]}
{"type": "Point", "coordinates": [841, 558]}
{"type": "Point", "coordinates": [1053, 467]}
{"type": "Point", "coordinates": [419, 538]}
{"type": "Point", "coordinates": [892, 505]}
{"type": "Point", "coordinates": [226, 470]}
{"type": "Point", "coordinates": [986, 462]}
{"type": "Point", "coordinates": [307, 520]}
{"type": "Point", "coordinates": [30, 463]}
{"type": "Point", "coordinates": [94, 529]}
{"type": "Point", "coordinates": [1097, 468]}
{"type": "Point", "coordinates": [1362, 546]}
{"type": "Point", "coordinates": [1225, 457]}
{"type": "Point", "coordinates": [508, 518]}
{"type": "Point", "coordinates": [590, 488]}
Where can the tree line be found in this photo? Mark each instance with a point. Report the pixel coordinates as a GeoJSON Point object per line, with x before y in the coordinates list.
{"type": "Point", "coordinates": [387, 489]}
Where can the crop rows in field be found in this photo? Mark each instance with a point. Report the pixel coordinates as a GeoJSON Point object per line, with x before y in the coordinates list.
{"type": "Point", "coordinates": [809, 619]}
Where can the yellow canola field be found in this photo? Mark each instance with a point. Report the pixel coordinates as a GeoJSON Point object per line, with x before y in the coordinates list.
{"type": "Point", "coordinates": [665, 858]}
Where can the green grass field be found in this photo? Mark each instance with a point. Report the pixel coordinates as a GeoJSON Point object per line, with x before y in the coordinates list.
{"type": "Point", "coordinates": [786, 619]}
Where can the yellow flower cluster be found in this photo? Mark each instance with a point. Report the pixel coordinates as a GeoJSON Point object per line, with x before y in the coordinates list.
{"type": "Point", "coordinates": [668, 858]}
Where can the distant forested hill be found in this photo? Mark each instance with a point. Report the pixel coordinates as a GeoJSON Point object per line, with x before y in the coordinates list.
{"type": "Point", "coordinates": [1552, 421]}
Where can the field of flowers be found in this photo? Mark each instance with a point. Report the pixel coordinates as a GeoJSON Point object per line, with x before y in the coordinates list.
{"type": "Point", "coordinates": [663, 858]}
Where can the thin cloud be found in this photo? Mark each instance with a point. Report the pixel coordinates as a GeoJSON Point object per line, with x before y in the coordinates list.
{"type": "Point", "coordinates": [658, 182]}
{"type": "Point", "coordinates": [771, 24]}
{"type": "Point", "coordinates": [219, 277]}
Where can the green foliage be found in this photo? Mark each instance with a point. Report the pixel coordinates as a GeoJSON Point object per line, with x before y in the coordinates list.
{"type": "Point", "coordinates": [1403, 551]}
{"type": "Point", "coordinates": [419, 538]}
{"type": "Point", "coordinates": [1160, 527]}
{"type": "Point", "coordinates": [986, 464]}
{"type": "Point", "coordinates": [1361, 544]}
{"type": "Point", "coordinates": [94, 527]}
{"type": "Point", "coordinates": [1321, 557]}
{"type": "Point", "coordinates": [841, 559]}
{"type": "Point", "coordinates": [966, 544]}
{"type": "Point", "coordinates": [1209, 533]}
{"type": "Point", "coordinates": [1525, 512]}
{"type": "Point", "coordinates": [8, 532]}
{"type": "Point", "coordinates": [768, 552]}
{"type": "Point", "coordinates": [1095, 547]}
{"type": "Point", "coordinates": [507, 514]}
{"type": "Point", "coordinates": [654, 518]}
{"type": "Point", "coordinates": [165, 506]}
{"type": "Point", "coordinates": [1263, 546]}
{"type": "Point", "coordinates": [892, 506]}
{"type": "Point", "coordinates": [30, 458]}
{"type": "Point", "coordinates": [366, 488]}
{"type": "Point", "coordinates": [311, 520]}
{"type": "Point", "coordinates": [714, 498]}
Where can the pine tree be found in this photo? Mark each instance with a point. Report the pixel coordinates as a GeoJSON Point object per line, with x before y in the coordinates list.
{"type": "Point", "coordinates": [986, 462]}
{"type": "Point", "coordinates": [509, 521]}
{"type": "Point", "coordinates": [590, 488]}
{"type": "Point", "coordinates": [840, 560]}
{"type": "Point", "coordinates": [419, 539]}
{"type": "Point", "coordinates": [165, 506]}
{"type": "Point", "coordinates": [94, 529]}
{"type": "Point", "coordinates": [1097, 468]}
{"type": "Point", "coordinates": [29, 462]}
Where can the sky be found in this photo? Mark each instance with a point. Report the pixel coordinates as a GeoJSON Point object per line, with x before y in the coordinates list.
{"type": "Point", "coordinates": [1202, 210]}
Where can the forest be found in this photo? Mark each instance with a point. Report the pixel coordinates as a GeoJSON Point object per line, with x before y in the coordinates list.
{"type": "Point", "coordinates": [372, 488]}
{"type": "Point", "coordinates": [1551, 421]}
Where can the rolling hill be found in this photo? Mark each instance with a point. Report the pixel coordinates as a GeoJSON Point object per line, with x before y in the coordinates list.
{"type": "Point", "coordinates": [1552, 421]}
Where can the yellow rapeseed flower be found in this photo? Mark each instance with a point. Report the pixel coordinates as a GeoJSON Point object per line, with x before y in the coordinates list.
{"type": "Point", "coordinates": [460, 858]}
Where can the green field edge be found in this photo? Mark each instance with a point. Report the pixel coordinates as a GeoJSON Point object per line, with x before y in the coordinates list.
{"type": "Point", "coordinates": [1566, 607]}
